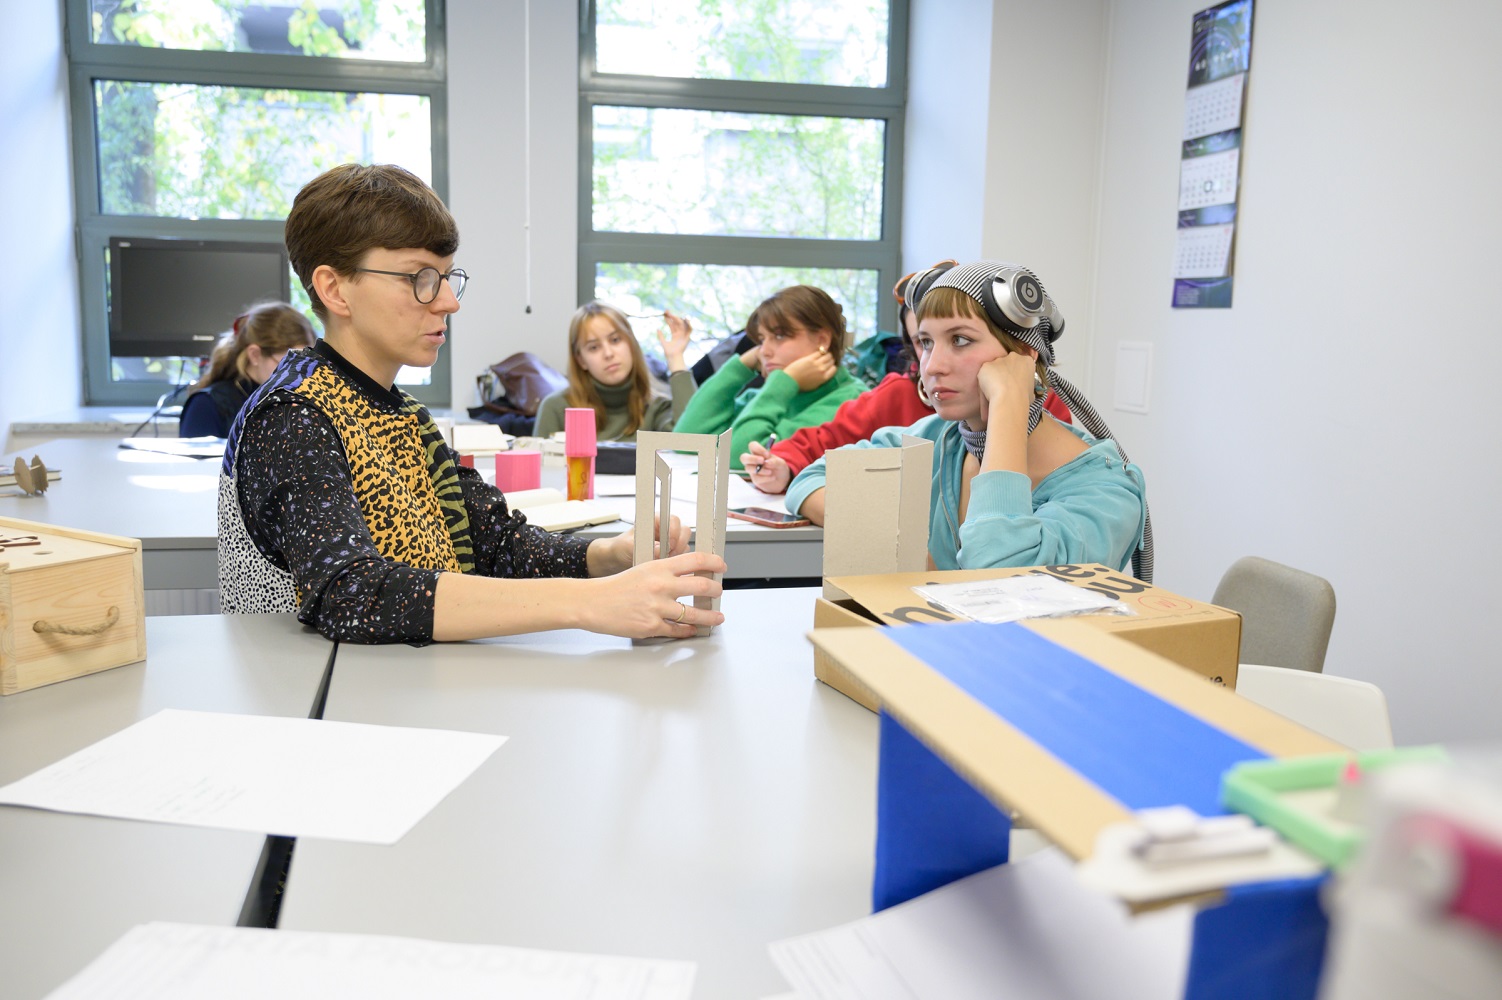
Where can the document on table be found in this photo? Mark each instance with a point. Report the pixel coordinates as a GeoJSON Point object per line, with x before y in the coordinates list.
{"type": "Point", "coordinates": [1023, 931]}
{"type": "Point", "coordinates": [292, 777]}
{"type": "Point", "coordinates": [180, 961]}
{"type": "Point", "coordinates": [686, 495]}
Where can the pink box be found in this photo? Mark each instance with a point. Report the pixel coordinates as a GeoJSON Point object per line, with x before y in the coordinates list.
{"type": "Point", "coordinates": [519, 469]}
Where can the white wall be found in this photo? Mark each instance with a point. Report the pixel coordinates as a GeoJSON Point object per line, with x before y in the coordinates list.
{"type": "Point", "coordinates": [944, 159]}
{"type": "Point", "coordinates": [486, 181]}
{"type": "Point", "coordinates": [1043, 155]}
{"type": "Point", "coordinates": [1338, 417]}
{"type": "Point", "coordinates": [39, 349]}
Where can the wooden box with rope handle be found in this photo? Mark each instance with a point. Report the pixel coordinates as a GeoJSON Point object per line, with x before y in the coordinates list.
{"type": "Point", "coordinates": [71, 603]}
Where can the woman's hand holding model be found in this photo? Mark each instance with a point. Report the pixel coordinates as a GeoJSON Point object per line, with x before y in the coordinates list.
{"type": "Point", "coordinates": [642, 601]}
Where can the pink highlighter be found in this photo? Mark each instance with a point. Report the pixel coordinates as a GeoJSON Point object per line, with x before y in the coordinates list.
{"type": "Point", "coordinates": [579, 451]}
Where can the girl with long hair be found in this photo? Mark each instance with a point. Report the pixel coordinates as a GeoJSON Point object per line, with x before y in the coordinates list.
{"type": "Point", "coordinates": [243, 359]}
{"type": "Point", "coordinates": [608, 373]}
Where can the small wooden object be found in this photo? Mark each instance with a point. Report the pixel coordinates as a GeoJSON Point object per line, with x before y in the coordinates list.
{"type": "Point", "coordinates": [71, 603]}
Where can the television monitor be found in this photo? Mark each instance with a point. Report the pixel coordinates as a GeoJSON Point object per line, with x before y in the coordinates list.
{"type": "Point", "coordinates": [175, 297]}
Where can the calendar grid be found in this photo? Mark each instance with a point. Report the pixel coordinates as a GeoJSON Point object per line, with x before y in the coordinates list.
{"type": "Point", "coordinates": [1210, 158]}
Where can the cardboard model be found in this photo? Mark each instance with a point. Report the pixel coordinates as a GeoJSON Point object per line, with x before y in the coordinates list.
{"type": "Point", "coordinates": [653, 475]}
{"type": "Point", "coordinates": [879, 499]}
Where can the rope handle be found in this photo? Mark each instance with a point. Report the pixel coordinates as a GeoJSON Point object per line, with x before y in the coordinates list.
{"type": "Point", "coordinates": [45, 626]}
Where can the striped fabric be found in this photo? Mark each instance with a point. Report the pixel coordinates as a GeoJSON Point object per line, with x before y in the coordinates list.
{"type": "Point", "coordinates": [974, 280]}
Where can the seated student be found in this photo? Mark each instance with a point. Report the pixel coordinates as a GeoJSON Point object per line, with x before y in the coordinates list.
{"type": "Point", "coordinates": [338, 498]}
{"type": "Point", "coordinates": [897, 401]}
{"type": "Point", "coordinates": [1011, 485]}
{"type": "Point", "coordinates": [800, 335]}
{"type": "Point", "coordinates": [608, 373]}
{"type": "Point", "coordinates": [243, 359]}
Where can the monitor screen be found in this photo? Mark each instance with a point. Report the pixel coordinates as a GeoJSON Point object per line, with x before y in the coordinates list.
{"type": "Point", "coordinates": [175, 297]}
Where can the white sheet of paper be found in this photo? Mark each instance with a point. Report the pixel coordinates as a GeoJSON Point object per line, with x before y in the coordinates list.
{"type": "Point", "coordinates": [181, 961]}
{"type": "Point", "coordinates": [1022, 931]}
{"type": "Point", "coordinates": [615, 486]}
{"type": "Point", "coordinates": [1014, 598]}
{"type": "Point", "coordinates": [292, 777]}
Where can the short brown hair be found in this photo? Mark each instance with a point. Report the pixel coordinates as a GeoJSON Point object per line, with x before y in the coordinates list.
{"type": "Point", "coordinates": [344, 213]}
{"type": "Point", "coordinates": [945, 302]}
{"type": "Point", "coordinates": [810, 307]}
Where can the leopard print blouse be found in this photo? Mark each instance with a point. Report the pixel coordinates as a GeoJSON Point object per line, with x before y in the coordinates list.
{"type": "Point", "coordinates": [339, 499]}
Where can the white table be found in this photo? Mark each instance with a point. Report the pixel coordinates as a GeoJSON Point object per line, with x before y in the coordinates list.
{"type": "Point", "coordinates": [70, 885]}
{"type": "Point", "coordinates": [690, 800]}
{"type": "Point", "coordinates": [169, 503]}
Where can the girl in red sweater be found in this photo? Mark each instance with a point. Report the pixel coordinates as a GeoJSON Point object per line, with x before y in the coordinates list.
{"type": "Point", "coordinates": [895, 402]}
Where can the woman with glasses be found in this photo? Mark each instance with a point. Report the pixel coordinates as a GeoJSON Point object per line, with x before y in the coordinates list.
{"type": "Point", "coordinates": [243, 359]}
{"type": "Point", "coordinates": [339, 498]}
{"type": "Point", "coordinates": [608, 374]}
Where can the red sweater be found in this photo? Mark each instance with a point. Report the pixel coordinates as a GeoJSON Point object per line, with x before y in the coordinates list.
{"type": "Point", "coordinates": [893, 403]}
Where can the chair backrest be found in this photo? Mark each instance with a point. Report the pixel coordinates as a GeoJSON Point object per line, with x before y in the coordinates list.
{"type": "Point", "coordinates": [1347, 711]}
{"type": "Point", "coordinates": [1286, 614]}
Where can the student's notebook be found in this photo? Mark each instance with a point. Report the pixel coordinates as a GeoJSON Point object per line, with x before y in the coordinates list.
{"type": "Point", "coordinates": [548, 509]}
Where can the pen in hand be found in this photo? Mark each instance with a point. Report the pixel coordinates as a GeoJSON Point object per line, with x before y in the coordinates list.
{"type": "Point", "coordinates": [770, 442]}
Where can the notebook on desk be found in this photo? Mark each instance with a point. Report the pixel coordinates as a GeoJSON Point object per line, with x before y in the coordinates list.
{"type": "Point", "coordinates": [548, 509]}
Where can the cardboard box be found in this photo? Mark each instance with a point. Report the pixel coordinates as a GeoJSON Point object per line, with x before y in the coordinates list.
{"type": "Point", "coordinates": [71, 603]}
{"type": "Point", "coordinates": [1200, 637]}
{"type": "Point", "coordinates": [1018, 771]}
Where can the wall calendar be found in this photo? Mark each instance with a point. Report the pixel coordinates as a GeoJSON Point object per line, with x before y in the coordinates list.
{"type": "Point", "coordinates": [1220, 56]}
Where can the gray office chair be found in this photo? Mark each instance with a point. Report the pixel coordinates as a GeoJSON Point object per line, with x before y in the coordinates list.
{"type": "Point", "coordinates": [1286, 614]}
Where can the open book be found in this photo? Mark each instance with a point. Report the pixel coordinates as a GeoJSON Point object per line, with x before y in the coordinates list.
{"type": "Point", "coordinates": [548, 509]}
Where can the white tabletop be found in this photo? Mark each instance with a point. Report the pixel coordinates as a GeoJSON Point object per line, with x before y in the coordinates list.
{"type": "Point", "coordinates": [71, 885]}
{"type": "Point", "coordinates": [169, 503]}
{"type": "Point", "coordinates": [689, 800]}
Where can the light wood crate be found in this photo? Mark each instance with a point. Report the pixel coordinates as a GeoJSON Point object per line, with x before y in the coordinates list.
{"type": "Point", "coordinates": [86, 584]}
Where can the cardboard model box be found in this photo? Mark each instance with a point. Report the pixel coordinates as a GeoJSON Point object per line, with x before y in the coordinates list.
{"type": "Point", "coordinates": [1200, 637]}
{"type": "Point", "coordinates": [1076, 765]}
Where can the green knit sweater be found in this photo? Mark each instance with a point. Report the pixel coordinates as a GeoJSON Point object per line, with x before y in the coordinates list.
{"type": "Point", "coordinates": [777, 407]}
{"type": "Point", "coordinates": [660, 415]}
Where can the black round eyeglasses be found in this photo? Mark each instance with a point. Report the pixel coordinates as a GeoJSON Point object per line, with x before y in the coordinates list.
{"type": "Point", "coordinates": [425, 283]}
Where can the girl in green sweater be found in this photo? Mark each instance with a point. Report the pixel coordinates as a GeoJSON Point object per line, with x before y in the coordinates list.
{"type": "Point", "coordinates": [606, 372]}
{"type": "Point", "coordinates": [800, 336]}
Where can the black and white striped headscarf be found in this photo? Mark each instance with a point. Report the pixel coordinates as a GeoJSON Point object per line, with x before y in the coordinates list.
{"type": "Point", "coordinates": [973, 280]}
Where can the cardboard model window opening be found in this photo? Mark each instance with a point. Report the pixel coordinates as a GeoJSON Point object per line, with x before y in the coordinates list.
{"type": "Point", "coordinates": [654, 477]}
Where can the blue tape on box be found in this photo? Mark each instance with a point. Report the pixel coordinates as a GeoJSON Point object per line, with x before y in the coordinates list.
{"type": "Point", "coordinates": [1134, 746]}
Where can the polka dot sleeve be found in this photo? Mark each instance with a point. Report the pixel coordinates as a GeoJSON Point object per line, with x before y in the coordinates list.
{"type": "Point", "coordinates": [506, 545]}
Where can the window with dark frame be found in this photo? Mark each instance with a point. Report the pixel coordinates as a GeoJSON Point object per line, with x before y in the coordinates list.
{"type": "Point", "coordinates": [201, 121]}
{"type": "Point", "coordinates": [729, 150]}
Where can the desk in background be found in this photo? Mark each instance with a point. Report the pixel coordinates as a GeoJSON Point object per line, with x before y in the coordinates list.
{"type": "Point", "coordinates": [169, 503]}
{"type": "Point", "coordinates": [691, 800]}
{"type": "Point", "coordinates": [70, 885]}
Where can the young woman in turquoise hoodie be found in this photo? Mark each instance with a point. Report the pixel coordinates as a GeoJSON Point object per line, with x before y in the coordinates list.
{"type": "Point", "coordinates": [1011, 485]}
{"type": "Point", "coordinates": [800, 335]}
